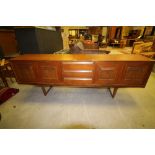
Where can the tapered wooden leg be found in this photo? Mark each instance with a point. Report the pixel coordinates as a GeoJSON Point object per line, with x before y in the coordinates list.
{"type": "Point", "coordinates": [113, 93]}
{"type": "Point", "coordinates": [46, 91]}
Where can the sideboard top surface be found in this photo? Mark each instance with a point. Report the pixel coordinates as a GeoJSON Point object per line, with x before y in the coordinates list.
{"type": "Point", "coordinates": [82, 57]}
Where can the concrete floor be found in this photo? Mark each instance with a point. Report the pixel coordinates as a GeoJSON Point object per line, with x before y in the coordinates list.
{"type": "Point", "coordinates": [91, 108]}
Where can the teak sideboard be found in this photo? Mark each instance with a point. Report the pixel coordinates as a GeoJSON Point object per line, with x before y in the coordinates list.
{"type": "Point", "coordinates": [83, 70]}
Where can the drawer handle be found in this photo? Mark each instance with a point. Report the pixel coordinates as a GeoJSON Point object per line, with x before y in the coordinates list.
{"type": "Point", "coordinates": [77, 78]}
{"type": "Point", "coordinates": [79, 71]}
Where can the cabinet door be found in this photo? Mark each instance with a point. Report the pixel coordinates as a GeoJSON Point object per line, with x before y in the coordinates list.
{"type": "Point", "coordinates": [49, 72]}
{"type": "Point", "coordinates": [25, 72]}
{"type": "Point", "coordinates": [136, 73]}
{"type": "Point", "coordinates": [108, 73]}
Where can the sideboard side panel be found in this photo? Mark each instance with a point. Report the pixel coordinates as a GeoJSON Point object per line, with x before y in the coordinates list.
{"type": "Point", "coordinates": [25, 72]}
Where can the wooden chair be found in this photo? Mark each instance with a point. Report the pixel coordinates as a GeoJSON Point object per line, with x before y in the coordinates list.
{"type": "Point", "coordinates": [140, 47]}
{"type": "Point", "coordinates": [123, 43]}
{"type": "Point", "coordinates": [149, 54]}
{"type": "Point", "coordinates": [6, 71]}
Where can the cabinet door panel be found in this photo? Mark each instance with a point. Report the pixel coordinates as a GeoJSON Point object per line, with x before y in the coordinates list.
{"type": "Point", "coordinates": [136, 73]}
{"type": "Point", "coordinates": [49, 72]}
{"type": "Point", "coordinates": [107, 72]}
{"type": "Point", "coordinates": [25, 72]}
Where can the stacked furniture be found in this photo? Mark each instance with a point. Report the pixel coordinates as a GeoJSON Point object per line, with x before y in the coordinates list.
{"type": "Point", "coordinates": [140, 46]}
{"type": "Point", "coordinates": [144, 48]}
{"type": "Point", "coordinates": [32, 40]}
{"type": "Point", "coordinates": [88, 44]}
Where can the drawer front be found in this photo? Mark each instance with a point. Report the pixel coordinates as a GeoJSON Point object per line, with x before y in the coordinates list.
{"type": "Point", "coordinates": [78, 73]}
{"type": "Point", "coordinates": [78, 65]}
{"type": "Point", "coordinates": [78, 81]}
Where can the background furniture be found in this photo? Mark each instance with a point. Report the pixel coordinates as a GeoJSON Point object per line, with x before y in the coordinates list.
{"type": "Point", "coordinates": [140, 47]}
{"type": "Point", "coordinates": [83, 70]}
{"type": "Point", "coordinates": [95, 30]}
{"type": "Point", "coordinates": [94, 51]}
{"type": "Point", "coordinates": [36, 40]}
{"type": "Point", "coordinates": [6, 72]}
{"type": "Point", "coordinates": [123, 43]}
{"type": "Point", "coordinates": [8, 43]}
{"type": "Point", "coordinates": [88, 44]}
{"type": "Point", "coordinates": [149, 54]}
{"type": "Point", "coordinates": [115, 44]}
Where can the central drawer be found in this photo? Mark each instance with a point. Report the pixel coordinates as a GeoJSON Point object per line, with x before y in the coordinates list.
{"type": "Point", "coordinates": [78, 65]}
{"type": "Point", "coordinates": [78, 81]}
{"type": "Point", "coordinates": [78, 73]}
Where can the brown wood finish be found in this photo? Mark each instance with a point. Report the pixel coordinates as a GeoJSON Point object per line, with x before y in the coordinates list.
{"type": "Point", "coordinates": [135, 73]}
{"type": "Point", "coordinates": [49, 72]}
{"type": "Point", "coordinates": [8, 42]}
{"type": "Point", "coordinates": [78, 66]}
{"type": "Point", "coordinates": [78, 73]}
{"type": "Point", "coordinates": [97, 70]}
{"type": "Point", "coordinates": [81, 57]}
{"type": "Point", "coordinates": [78, 81]}
{"type": "Point", "coordinates": [108, 73]}
{"type": "Point", "coordinates": [25, 72]}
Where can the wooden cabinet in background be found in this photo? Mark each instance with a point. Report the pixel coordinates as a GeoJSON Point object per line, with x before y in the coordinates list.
{"type": "Point", "coordinates": [8, 43]}
{"type": "Point", "coordinates": [111, 32]}
{"type": "Point", "coordinates": [95, 30]}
